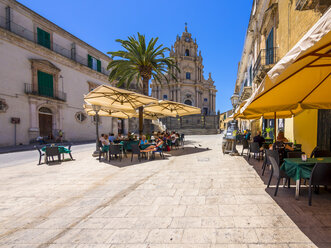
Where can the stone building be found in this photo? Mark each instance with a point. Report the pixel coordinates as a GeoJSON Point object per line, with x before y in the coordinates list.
{"type": "Point", "coordinates": [191, 87]}
{"type": "Point", "coordinates": [275, 26]}
{"type": "Point", "coordinates": [45, 72]}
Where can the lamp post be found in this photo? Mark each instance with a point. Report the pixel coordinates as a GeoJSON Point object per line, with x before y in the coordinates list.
{"type": "Point", "coordinates": [96, 109]}
{"type": "Point", "coordinates": [234, 123]}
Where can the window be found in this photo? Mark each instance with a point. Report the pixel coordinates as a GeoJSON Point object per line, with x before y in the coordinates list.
{"type": "Point", "coordinates": [165, 97]}
{"type": "Point", "coordinates": [45, 84]}
{"type": "Point", "coordinates": [80, 116]}
{"type": "Point", "coordinates": [3, 105]}
{"type": "Point", "coordinates": [188, 102]}
{"type": "Point", "coordinates": [187, 52]}
{"type": "Point", "coordinates": [205, 99]}
{"type": "Point", "coordinates": [188, 75]}
{"type": "Point", "coordinates": [270, 48]}
{"type": "Point", "coordinates": [93, 63]}
{"type": "Point", "coordinates": [44, 38]}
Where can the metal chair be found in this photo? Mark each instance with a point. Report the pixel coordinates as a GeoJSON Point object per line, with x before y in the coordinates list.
{"type": "Point", "coordinates": [52, 151]}
{"type": "Point", "coordinates": [245, 146]}
{"type": "Point", "coordinates": [40, 154]}
{"type": "Point", "coordinates": [158, 150]}
{"type": "Point", "coordinates": [322, 153]}
{"type": "Point", "coordinates": [312, 154]}
{"type": "Point", "coordinates": [276, 172]}
{"type": "Point", "coordinates": [101, 150]}
{"type": "Point", "coordinates": [254, 148]}
{"type": "Point", "coordinates": [294, 154]}
{"type": "Point", "coordinates": [268, 154]}
{"type": "Point", "coordinates": [320, 175]}
{"type": "Point", "coordinates": [182, 139]}
{"type": "Point", "coordinates": [114, 151]}
{"type": "Point", "coordinates": [135, 150]}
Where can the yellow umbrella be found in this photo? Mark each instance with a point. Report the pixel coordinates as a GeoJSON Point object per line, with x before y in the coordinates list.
{"type": "Point", "coordinates": [300, 80]}
{"type": "Point", "coordinates": [108, 112]}
{"type": "Point", "coordinates": [173, 109]}
{"type": "Point", "coordinates": [117, 99]}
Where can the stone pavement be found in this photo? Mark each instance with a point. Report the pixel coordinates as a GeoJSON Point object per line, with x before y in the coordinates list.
{"type": "Point", "coordinates": [195, 198]}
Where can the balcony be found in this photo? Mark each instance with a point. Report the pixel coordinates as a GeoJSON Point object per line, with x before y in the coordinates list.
{"type": "Point", "coordinates": [30, 35]}
{"type": "Point", "coordinates": [245, 93]}
{"type": "Point", "coordinates": [45, 92]}
{"type": "Point", "coordinates": [265, 61]}
{"type": "Point", "coordinates": [321, 5]}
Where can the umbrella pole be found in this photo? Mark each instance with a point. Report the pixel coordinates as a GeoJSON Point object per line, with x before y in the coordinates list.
{"type": "Point", "coordinates": [141, 121]}
{"type": "Point", "coordinates": [275, 126]}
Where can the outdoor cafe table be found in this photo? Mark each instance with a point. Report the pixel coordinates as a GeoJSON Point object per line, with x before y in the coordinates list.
{"type": "Point", "coordinates": [296, 169]}
{"type": "Point", "coordinates": [62, 149]}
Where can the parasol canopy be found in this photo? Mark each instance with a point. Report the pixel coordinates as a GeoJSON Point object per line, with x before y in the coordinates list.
{"type": "Point", "coordinates": [117, 99]}
{"type": "Point", "coordinates": [173, 109]}
{"type": "Point", "coordinates": [104, 111]}
{"type": "Point", "coordinates": [300, 80]}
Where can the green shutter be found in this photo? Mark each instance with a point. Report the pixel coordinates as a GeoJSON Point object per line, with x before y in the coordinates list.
{"type": "Point", "coordinates": [89, 61]}
{"type": "Point", "coordinates": [44, 38]}
{"type": "Point", "coordinates": [45, 84]}
{"type": "Point", "coordinates": [98, 65]}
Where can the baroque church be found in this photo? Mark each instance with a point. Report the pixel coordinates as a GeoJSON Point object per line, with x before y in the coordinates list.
{"type": "Point", "coordinates": [191, 87]}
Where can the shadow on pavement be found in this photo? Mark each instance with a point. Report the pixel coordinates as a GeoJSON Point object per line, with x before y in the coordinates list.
{"type": "Point", "coordinates": [314, 221]}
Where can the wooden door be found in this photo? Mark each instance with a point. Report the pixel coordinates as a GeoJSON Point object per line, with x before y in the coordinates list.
{"type": "Point", "coordinates": [324, 129]}
{"type": "Point", "coordinates": [45, 124]}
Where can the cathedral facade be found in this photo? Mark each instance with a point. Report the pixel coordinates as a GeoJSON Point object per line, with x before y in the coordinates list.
{"type": "Point", "coordinates": [191, 87]}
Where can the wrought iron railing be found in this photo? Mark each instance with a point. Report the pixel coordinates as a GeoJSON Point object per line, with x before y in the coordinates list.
{"type": "Point", "coordinates": [30, 35]}
{"type": "Point", "coordinates": [45, 92]}
{"type": "Point", "coordinates": [265, 57]}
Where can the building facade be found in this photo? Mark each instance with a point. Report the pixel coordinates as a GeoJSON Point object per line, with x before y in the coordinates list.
{"type": "Point", "coordinates": [275, 26]}
{"type": "Point", "coordinates": [45, 72]}
{"type": "Point", "coordinates": [191, 87]}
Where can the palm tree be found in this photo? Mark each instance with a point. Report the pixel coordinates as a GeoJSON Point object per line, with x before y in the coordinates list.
{"type": "Point", "coordinates": [138, 63]}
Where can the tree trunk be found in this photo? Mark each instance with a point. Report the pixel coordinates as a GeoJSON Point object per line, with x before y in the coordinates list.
{"type": "Point", "coordinates": [141, 109]}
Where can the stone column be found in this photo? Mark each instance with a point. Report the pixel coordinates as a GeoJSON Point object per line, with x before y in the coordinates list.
{"type": "Point", "coordinates": [34, 125]}
{"type": "Point", "coordinates": [115, 126]}
{"type": "Point", "coordinates": [126, 126]}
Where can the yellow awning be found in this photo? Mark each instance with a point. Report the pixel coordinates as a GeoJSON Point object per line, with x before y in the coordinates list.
{"type": "Point", "coordinates": [170, 108]}
{"type": "Point", "coordinates": [300, 80]}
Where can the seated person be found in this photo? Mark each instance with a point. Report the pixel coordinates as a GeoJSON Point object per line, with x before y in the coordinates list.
{"type": "Point", "coordinates": [259, 139]}
{"type": "Point", "coordinates": [152, 148]}
{"type": "Point", "coordinates": [143, 140]}
{"type": "Point", "coordinates": [111, 138]}
{"type": "Point", "coordinates": [119, 137]}
{"type": "Point", "coordinates": [247, 135]}
{"type": "Point", "coordinates": [281, 138]}
{"type": "Point", "coordinates": [105, 142]}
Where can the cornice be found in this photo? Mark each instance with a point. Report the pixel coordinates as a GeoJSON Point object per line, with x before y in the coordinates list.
{"type": "Point", "coordinates": [49, 54]}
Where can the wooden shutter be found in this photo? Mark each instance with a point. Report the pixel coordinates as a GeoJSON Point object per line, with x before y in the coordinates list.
{"type": "Point", "coordinates": [98, 65]}
{"type": "Point", "coordinates": [45, 84]}
{"type": "Point", "coordinates": [44, 38]}
{"type": "Point", "coordinates": [89, 61]}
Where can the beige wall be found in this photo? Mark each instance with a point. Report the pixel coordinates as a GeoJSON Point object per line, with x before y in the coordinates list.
{"type": "Point", "coordinates": [15, 70]}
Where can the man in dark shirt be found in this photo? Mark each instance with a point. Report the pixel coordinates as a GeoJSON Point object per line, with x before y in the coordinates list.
{"type": "Point", "coordinates": [258, 138]}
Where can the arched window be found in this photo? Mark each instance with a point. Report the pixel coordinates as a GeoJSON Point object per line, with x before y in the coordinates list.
{"type": "Point", "coordinates": [165, 97]}
{"type": "Point", "coordinates": [187, 52]}
{"type": "Point", "coordinates": [188, 102]}
{"type": "Point", "coordinates": [188, 75]}
{"type": "Point", "coordinates": [44, 110]}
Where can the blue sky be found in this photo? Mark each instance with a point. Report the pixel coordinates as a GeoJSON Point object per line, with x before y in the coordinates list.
{"type": "Point", "coordinates": [219, 27]}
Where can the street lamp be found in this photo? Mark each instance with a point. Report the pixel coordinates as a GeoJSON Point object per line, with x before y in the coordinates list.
{"type": "Point", "coordinates": [96, 109]}
{"type": "Point", "coordinates": [234, 100]}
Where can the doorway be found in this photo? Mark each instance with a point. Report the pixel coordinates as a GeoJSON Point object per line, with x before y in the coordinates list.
{"type": "Point", "coordinates": [324, 129]}
{"type": "Point", "coordinates": [45, 122]}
